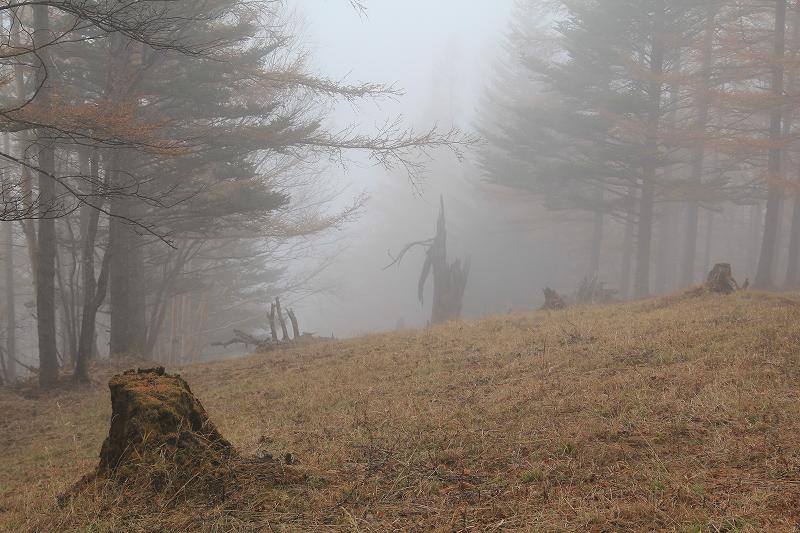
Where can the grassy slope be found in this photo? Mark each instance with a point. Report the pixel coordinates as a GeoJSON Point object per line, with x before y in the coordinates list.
{"type": "Point", "coordinates": [677, 414]}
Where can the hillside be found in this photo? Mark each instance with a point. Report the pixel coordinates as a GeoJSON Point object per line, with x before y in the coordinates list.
{"type": "Point", "coordinates": [673, 414]}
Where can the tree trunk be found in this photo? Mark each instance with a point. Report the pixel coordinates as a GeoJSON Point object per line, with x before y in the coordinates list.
{"type": "Point", "coordinates": [754, 242]}
{"type": "Point", "coordinates": [438, 253]}
{"type": "Point", "coordinates": [793, 268]}
{"type": "Point", "coordinates": [699, 153]}
{"type": "Point", "coordinates": [45, 273]}
{"type": "Point", "coordinates": [764, 275]}
{"type": "Point", "coordinates": [11, 313]}
{"type": "Point", "coordinates": [273, 326]}
{"type": "Point", "coordinates": [295, 325]}
{"type": "Point", "coordinates": [94, 291]}
{"type": "Point", "coordinates": [138, 295]}
{"type": "Point", "coordinates": [664, 253]}
{"type": "Point", "coordinates": [119, 277]}
{"type": "Point", "coordinates": [597, 235]}
{"type": "Point", "coordinates": [627, 262]}
{"type": "Point", "coordinates": [709, 242]}
{"type": "Point", "coordinates": [793, 260]}
{"type": "Point", "coordinates": [127, 290]}
{"type": "Point", "coordinates": [22, 144]}
{"type": "Point", "coordinates": [449, 280]}
{"type": "Point", "coordinates": [647, 200]}
{"type": "Point", "coordinates": [281, 320]}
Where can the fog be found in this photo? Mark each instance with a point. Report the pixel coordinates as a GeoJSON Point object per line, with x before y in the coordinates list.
{"type": "Point", "coordinates": [399, 265]}
{"type": "Point", "coordinates": [442, 63]}
{"type": "Point", "coordinates": [172, 176]}
{"type": "Point", "coordinates": [439, 54]}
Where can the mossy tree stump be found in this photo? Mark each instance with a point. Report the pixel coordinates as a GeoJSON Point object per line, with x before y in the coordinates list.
{"type": "Point", "coordinates": [720, 279]}
{"type": "Point", "coordinates": [553, 301]}
{"type": "Point", "coordinates": [156, 416]}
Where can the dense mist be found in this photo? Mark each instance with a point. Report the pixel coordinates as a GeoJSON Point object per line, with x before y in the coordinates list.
{"type": "Point", "coordinates": [399, 266]}
{"type": "Point", "coordinates": [173, 176]}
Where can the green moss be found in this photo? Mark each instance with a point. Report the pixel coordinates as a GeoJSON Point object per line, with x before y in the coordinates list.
{"type": "Point", "coordinates": [151, 410]}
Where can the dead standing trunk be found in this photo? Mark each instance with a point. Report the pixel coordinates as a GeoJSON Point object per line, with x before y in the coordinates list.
{"type": "Point", "coordinates": [281, 320]}
{"type": "Point", "coordinates": [295, 325]}
{"type": "Point", "coordinates": [273, 326]}
{"type": "Point", "coordinates": [449, 280]}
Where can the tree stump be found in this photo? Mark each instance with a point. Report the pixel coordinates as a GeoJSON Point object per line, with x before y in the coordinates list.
{"type": "Point", "coordinates": [156, 417]}
{"type": "Point", "coordinates": [720, 280]}
{"type": "Point", "coordinates": [165, 467]}
{"type": "Point", "coordinates": [552, 300]}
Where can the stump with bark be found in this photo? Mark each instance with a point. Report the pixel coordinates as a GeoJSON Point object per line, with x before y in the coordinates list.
{"type": "Point", "coordinates": [164, 454]}
{"type": "Point", "coordinates": [155, 417]}
{"type": "Point", "coordinates": [552, 300]}
{"type": "Point", "coordinates": [720, 280]}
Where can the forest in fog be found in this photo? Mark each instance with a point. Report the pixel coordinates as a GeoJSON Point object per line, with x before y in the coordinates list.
{"type": "Point", "coordinates": [170, 168]}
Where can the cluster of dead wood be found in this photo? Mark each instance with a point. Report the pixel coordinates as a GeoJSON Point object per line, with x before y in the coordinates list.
{"type": "Point", "coordinates": [276, 319]}
{"type": "Point", "coordinates": [592, 291]}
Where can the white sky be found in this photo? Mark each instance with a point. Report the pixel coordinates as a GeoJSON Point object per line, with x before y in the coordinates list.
{"type": "Point", "coordinates": [403, 41]}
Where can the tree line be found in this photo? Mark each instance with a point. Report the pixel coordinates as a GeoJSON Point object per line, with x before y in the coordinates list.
{"type": "Point", "coordinates": [652, 119]}
{"type": "Point", "coordinates": [158, 156]}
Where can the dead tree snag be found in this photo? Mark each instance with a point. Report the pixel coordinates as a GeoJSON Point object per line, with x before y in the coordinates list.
{"type": "Point", "coordinates": [449, 279]}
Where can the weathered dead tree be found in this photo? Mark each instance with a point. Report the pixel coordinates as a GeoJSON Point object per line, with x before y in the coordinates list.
{"type": "Point", "coordinates": [720, 280]}
{"type": "Point", "coordinates": [295, 325]}
{"type": "Point", "coordinates": [273, 329]}
{"type": "Point", "coordinates": [275, 317]}
{"type": "Point", "coordinates": [449, 279]}
{"type": "Point", "coordinates": [552, 300]}
{"type": "Point", "coordinates": [281, 319]}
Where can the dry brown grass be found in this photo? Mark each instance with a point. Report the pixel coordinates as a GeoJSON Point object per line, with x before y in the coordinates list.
{"type": "Point", "coordinates": [675, 414]}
